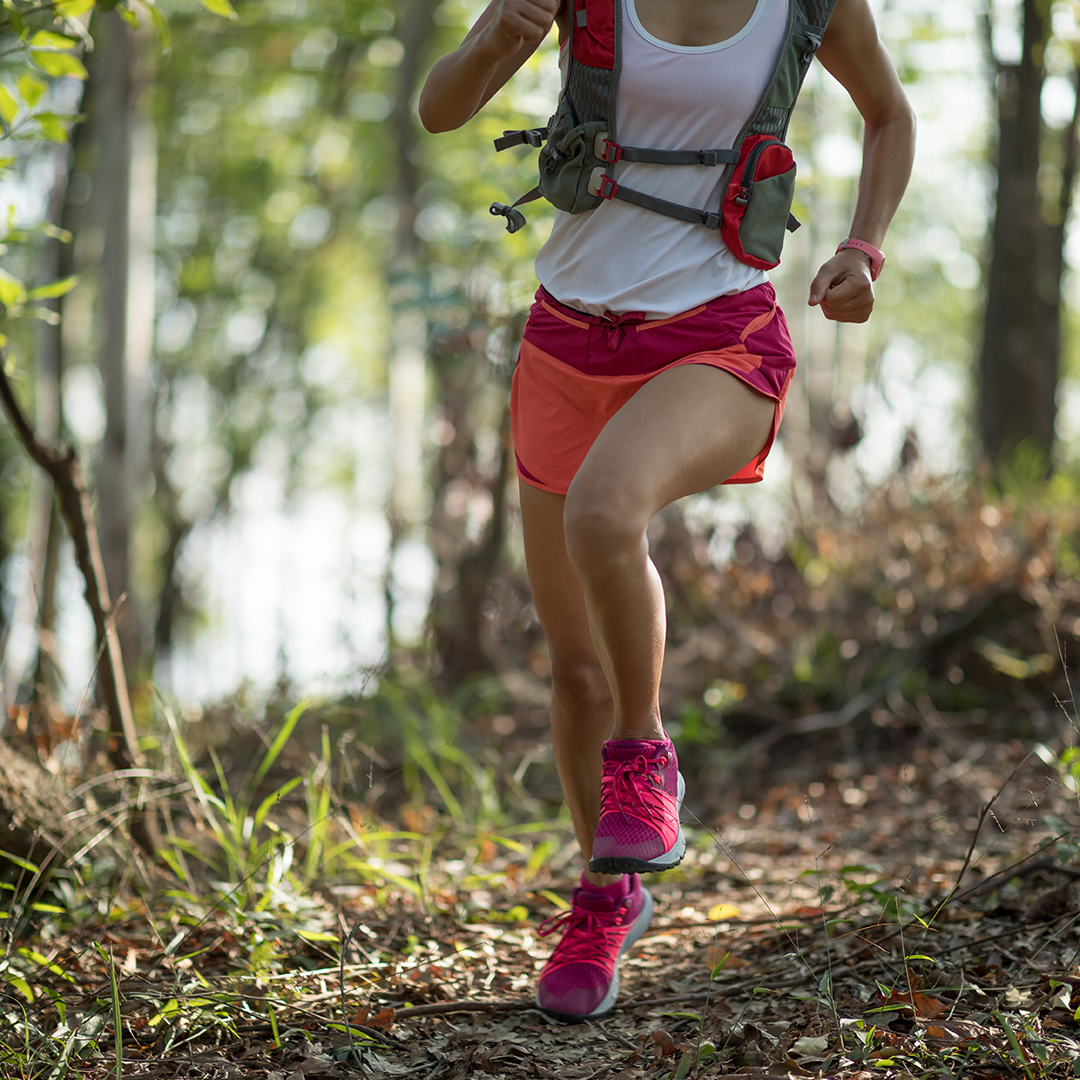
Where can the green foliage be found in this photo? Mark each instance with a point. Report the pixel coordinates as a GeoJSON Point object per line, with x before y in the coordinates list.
{"type": "Point", "coordinates": [251, 851]}
{"type": "Point", "coordinates": [41, 50]}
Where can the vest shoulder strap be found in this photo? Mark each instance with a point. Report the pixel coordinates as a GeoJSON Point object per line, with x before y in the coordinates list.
{"type": "Point", "coordinates": [594, 59]}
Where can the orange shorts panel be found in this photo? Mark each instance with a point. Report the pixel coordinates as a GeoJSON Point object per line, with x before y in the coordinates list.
{"type": "Point", "coordinates": [575, 371]}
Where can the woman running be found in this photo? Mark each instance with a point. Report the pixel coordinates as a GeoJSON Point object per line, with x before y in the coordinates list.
{"type": "Point", "coordinates": [654, 365]}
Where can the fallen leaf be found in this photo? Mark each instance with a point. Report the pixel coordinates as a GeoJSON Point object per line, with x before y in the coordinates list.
{"type": "Point", "coordinates": [811, 1046]}
{"type": "Point", "coordinates": [723, 911]}
{"type": "Point", "coordinates": [384, 1019]}
{"type": "Point", "coordinates": [925, 1007]}
{"type": "Point", "coordinates": [665, 1044]}
{"type": "Point", "coordinates": [716, 953]}
{"type": "Point", "coordinates": [314, 1066]}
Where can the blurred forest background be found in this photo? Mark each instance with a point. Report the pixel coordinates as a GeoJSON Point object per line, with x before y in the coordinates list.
{"type": "Point", "coordinates": [289, 325]}
{"type": "Point", "coordinates": [275, 323]}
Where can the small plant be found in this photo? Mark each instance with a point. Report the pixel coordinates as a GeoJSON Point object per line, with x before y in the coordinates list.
{"type": "Point", "coordinates": [251, 852]}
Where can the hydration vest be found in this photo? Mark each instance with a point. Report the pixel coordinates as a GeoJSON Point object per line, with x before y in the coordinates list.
{"type": "Point", "coordinates": [579, 148]}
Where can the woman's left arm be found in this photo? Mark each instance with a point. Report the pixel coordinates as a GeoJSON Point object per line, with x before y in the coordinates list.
{"type": "Point", "coordinates": [852, 52]}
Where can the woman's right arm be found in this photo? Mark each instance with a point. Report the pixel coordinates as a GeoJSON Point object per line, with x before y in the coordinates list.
{"type": "Point", "coordinates": [504, 37]}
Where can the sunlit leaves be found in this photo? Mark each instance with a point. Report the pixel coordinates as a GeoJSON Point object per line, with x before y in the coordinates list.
{"type": "Point", "coordinates": [9, 107]}
{"type": "Point", "coordinates": [53, 289]}
{"type": "Point", "coordinates": [72, 9]}
{"type": "Point", "coordinates": [12, 291]}
{"type": "Point", "coordinates": [31, 88]}
{"type": "Point", "coordinates": [161, 25]}
{"type": "Point", "coordinates": [46, 39]}
{"type": "Point", "coordinates": [220, 7]}
{"type": "Point", "coordinates": [59, 64]}
{"type": "Point", "coordinates": [52, 127]}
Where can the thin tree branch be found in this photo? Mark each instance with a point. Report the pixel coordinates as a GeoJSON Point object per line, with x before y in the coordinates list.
{"type": "Point", "coordinates": [75, 506]}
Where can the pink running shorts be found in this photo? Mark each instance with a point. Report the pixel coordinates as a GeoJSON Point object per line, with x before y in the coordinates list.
{"type": "Point", "coordinates": [575, 371]}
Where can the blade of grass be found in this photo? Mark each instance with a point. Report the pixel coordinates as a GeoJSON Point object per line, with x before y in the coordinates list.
{"type": "Point", "coordinates": [273, 799]}
{"type": "Point", "coordinates": [273, 1025]}
{"type": "Point", "coordinates": [1014, 1042]}
{"type": "Point", "coordinates": [280, 739]}
{"type": "Point", "coordinates": [118, 1032]}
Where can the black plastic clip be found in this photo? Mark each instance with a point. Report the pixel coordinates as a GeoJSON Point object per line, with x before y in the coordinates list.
{"type": "Point", "coordinates": [532, 137]}
{"type": "Point", "coordinates": [515, 219]}
{"type": "Point", "coordinates": [554, 157]}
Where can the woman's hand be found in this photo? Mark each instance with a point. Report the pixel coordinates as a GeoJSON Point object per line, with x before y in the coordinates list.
{"type": "Point", "coordinates": [502, 39]}
{"type": "Point", "coordinates": [852, 51]}
{"type": "Point", "coordinates": [843, 287]}
{"type": "Point", "coordinates": [517, 23]}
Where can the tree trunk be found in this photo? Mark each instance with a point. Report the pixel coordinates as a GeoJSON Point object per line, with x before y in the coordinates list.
{"type": "Point", "coordinates": [48, 672]}
{"type": "Point", "coordinates": [50, 265]}
{"type": "Point", "coordinates": [469, 401]}
{"type": "Point", "coordinates": [1018, 369]}
{"type": "Point", "coordinates": [125, 184]}
{"type": "Point", "coordinates": [407, 501]}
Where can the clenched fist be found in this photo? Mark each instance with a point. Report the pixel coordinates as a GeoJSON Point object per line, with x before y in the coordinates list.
{"type": "Point", "coordinates": [517, 23]}
{"type": "Point", "coordinates": [843, 288]}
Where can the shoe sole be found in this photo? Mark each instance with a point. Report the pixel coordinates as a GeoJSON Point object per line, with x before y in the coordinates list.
{"type": "Point", "coordinates": [640, 925]}
{"type": "Point", "coordinates": [625, 864]}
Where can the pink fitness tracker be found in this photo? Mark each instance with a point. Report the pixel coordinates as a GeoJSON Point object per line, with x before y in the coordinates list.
{"type": "Point", "coordinates": [877, 258]}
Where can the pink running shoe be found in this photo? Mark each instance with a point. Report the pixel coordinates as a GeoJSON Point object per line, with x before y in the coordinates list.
{"type": "Point", "coordinates": [642, 794]}
{"type": "Point", "coordinates": [580, 981]}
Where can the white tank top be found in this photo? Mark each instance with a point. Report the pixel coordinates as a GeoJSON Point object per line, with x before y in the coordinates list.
{"type": "Point", "coordinates": [620, 257]}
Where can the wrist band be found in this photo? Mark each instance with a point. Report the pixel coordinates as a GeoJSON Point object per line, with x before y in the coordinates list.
{"type": "Point", "coordinates": [877, 258]}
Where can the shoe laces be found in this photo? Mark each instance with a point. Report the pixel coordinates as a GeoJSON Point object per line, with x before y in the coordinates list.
{"type": "Point", "coordinates": [580, 929]}
{"type": "Point", "coordinates": [635, 785]}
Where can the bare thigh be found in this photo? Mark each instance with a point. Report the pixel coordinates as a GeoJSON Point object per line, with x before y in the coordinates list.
{"type": "Point", "coordinates": [685, 431]}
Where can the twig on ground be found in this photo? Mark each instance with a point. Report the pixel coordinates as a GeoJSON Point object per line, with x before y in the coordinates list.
{"type": "Point", "coordinates": [1016, 869]}
{"type": "Point", "coordinates": [1014, 932]}
{"type": "Point", "coordinates": [616, 1036]}
{"type": "Point", "coordinates": [443, 1008]}
{"type": "Point", "coordinates": [983, 814]}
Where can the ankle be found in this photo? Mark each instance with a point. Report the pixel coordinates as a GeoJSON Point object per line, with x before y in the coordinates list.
{"type": "Point", "coordinates": [600, 881]}
{"type": "Point", "coordinates": [650, 731]}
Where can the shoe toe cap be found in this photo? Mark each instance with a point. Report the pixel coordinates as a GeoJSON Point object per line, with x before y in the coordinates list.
{"type": "Point", "coordinates": [575, 989]}
{"type": "Point", "coordinates": [619, 844]}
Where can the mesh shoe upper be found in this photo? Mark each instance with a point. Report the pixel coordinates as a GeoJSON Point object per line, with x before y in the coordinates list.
{"type": "Point", "coordinates": [581, 977]}
{"type": "Point", "coordinates": [639, 808]}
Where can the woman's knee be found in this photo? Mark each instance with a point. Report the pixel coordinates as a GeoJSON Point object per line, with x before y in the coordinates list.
{"type": "Point", "coordinates": [602, 521]}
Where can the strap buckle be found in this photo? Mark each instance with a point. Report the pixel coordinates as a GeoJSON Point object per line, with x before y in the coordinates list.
{"type": "Point", "coordinates": [612, 152]}
{"type": "Point", "coordinates": [605, 149]}
{"type": "Point", "coordinates": [707, 157]}
{"type": "Point", "coordinates": [535, 136]}
{"type": "Point", "coordinates": [607, 187]}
